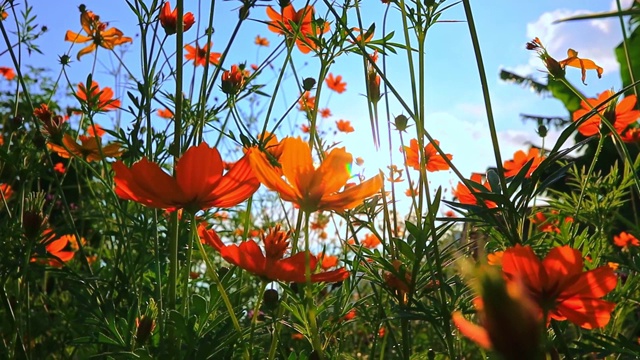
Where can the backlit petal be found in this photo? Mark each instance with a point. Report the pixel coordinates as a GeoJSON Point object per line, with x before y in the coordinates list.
{"type": "Point", "coordinates": [476, 333]}
{"type": "Point", "coordinates": [352, 196]}
{"type": "Point", "coordinates": [198, 171]}
{"type": "Point", "coordinates": [236, 186]}
{"type": "Point", "coordinates": [520, 262]}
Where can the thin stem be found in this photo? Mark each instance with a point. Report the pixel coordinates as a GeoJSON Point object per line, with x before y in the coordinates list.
{"type": "Point", "coordinates": [254, 318]}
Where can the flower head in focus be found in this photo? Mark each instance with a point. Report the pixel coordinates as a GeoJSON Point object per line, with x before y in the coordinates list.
{"type": "Point", "coordinates": [520, 159]}
{"type": "Point", "coordinates": [270, 265]}
{"type": "Point", "coordinates": [97, 34]}
{"type": "Point", "coordinates": [199, 183]}
{"type": "Point", "coordinates": [310, 188]}
{"type": "Point", "coordinates": [199, 55]}
{"type": "Point", "coordinates": [169, 19]}
{"type": "Point", "coordinates": [433, 161]}
{"type": "Point", "coordinates": [619, 114]}
{"type": "Point", "coordinates": [96, 99]}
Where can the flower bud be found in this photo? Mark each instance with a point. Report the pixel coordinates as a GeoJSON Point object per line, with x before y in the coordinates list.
{"type": "Point", "coordinates": [308, 84]}
{"type": "Point", "coordinates": [401, 122]}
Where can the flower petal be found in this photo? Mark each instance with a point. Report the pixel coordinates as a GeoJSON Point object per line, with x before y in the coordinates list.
{"type": "Point", "coordinates": [147, 184]}
{"type": "Point", "coordinates": [198, 171]}
{"type": "Point", "coordinates": [476, 333]}
{"type": "Point", "coordinates": [586, 313]}
{"type": "Point", "coordinates": [520, 262]}
{"type": "Point", "coordinates": [236, 186]}
{"type": "Point", "coordinates": [351, 197]}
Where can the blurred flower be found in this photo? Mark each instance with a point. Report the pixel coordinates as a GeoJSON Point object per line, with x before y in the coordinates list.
{"type": "Point", "coordinates": [260, 41]}
{"type": "Point", "coordinates": [412, 191]}
{"type": "Point", "coordinates": [620, 115]}
{"type": "Point", "coordinates": [97, 34]}
{"type": "Point", "coordinates": [51, 123]}
{"type": "Point", "coordinates": [300, 25]}
{"type": "Point", "coordinates": [90, 148]}
{"type": "Point", "coordinates": [583, 64]}
{"type": "Point", "coordinates": [55, 247]}
{"type": "Point", "coordinates": [271, 265]}
{"type": "Point", "coordinates": [233, 80]}
{"type": "Point", "coordinates": [199, 55]}
{"type": "Point", "coordinates": [325, 113]}
{"type": "Point", "coordinates": [305, 128]}
{"type": "Point", "coordinates": [3, 15]}
{"type": "Point", "coordinates": [559, 287]}
{"type": "Point", "coordinates": [169, 19]}
{"type": "Point", "coordinates": [469, 197]}
{"type": "Point", "coordinates": [625, 240]}
{"type": "Point", "coordinates": [96, 99]}
{"type": "Point", "coordinates": [327, 261]}
{"type": "Point", "coordinates": [398, 281]}
{"type": "Point", "coordinates": [335, 83]}
{"type": "Point", "coordinates": [344, 126]}
{"type": "Point", "coordinates": [95, 130]}
{"type": "Point", "coordinates": [433, 160]}
{"type": "Point", "coordinates": [359, 37]}
{"type": "Point", "coordinates": [373, 57]}
{"type": "Point", "coordinates": [520, 159]}
{"type": "Point", "coordinates": [359, 161]}
{"type": "Point", "coordinates": [165, 113]}
{"type": "Point", "coordinates": [450, 213]}
{"type": "Point", "coordinates": [549, 225]}
{"type": "Point", "coordinates": [509, 321]}
{"type": "Point", "coordinates": [370, 241]}
{"type": "Point", "coordinates": [310, 188]}
{"type": "Point", "coordinates": [199, 183]}
{"type": "Point", "coordinates": [5, 192]}
{"type": "Point", "coordinates": [306, 102]}
{"type": "Point", "coordinates": [632, 135]}
{"type": "Point", "coordinates": [395, 174]}
{"type": "Point", "coordinates": [59, 168]}
{"type": "Point", "coordinates": [350, 315]}
{"type": "Point", "coordinates": [7, 72]}
{"type": "Point", "coordinates": [495, 258]}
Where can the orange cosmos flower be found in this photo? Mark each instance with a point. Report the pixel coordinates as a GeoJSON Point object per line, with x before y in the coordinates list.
{"type": "Point", "coordinates": [559, 287]}
{"type": "Point", "coordinates": [583, 64]}
{"type": "Point", "coordinates": [370, 241]}
{"type": "Point", "coordinates": [310, 188]}
{"type": "Point", "coordinates": [327, 261]}
{"type": "Point", "coordinates": [199, 55]}
{"type": "Point", "coordinates": [51, 122]}
{"type": "Point", "coordinates": [625, 240]}
{"type": "Point", "coordinates": [270, 265]}
{"type": "Point", "coordinates": [56, 248]}
{"type": "Point", "coordinates": [433, 160]}
{"type": "Point", "coordinates": [359, 37]}
{"type": "Point", "coordinates": [5, 191]}
{"type": "Point", "coordinates": [350, 315]}
{"type": "Point", "coordinates": [325, 113]}
{"type": "Point", "coordinates": [260, 41]}
{"type": "Point", "coordinates": [495, 258]}
{"type": "Point", "coordinates": [307, 102]}
{"type": "Point", "coordinates": [233, 80]}
{"type": "Point", "coordinates": [59, 168]}
{"type": "Point", "coordinates": [3, 15]}
{"type": "Point", "coordinates": [7, 72]}
{"type": "Point", "coordinates": [90, 148]}
{"type": "Point", "coordinates": [549, 225]}
{"type": "Point", "coordinates": [169, 19]}
{"type": "Point", "coordinates": [620, 115]}
{"type": "Point", "coordinates": [467, 196]}
{"type": "Point", "coordinates": [631, 135]}
{"type": "Point", "coordinates": [509, 321]}
{"type": "Point", "coordinates": [198, 184]}
{"type": "Point", "coordinates": [335, 83]}
{"type": "Point", "coordinates": [344, 126]}
{"type": "Point", "coordinates": [165, 113]}
{"type": "Point", "coordinates": [299, 24]}
{"type": "Point", "coordinates": [95, 130]}
{"type": "Point", "coordinates": [520, 159]}
{"type": "Point", "coordinates": [97, 34]}
{"type": "Point", "coordinates": [96, 99]}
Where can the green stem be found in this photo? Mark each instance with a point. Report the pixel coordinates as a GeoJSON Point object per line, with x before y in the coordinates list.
{"type": "Point", "coordinates": [485, 93]}
{"type": "Point", "coordinates": [254, 318]}
{"type": "Point", "coordinates": [221, 289]}
{"type": "Point", "coordinates": [311, 309]}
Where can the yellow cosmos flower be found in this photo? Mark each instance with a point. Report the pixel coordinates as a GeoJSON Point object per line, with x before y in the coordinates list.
{"type": "Point", "coordinates": [309, 188]}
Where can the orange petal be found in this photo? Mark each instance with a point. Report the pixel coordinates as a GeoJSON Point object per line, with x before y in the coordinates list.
{"type": "Point", "coordinates": [198, 171]}
{"type": "Point", "coordinates": [520, 262]}
{"type": "Point", "coordinates": [352, 196]}
{"type": "Point", "coordinates": [297, 164]}
{"type": "Point", "coordinates": [271, 177]}
{"type": "Point", "coordinates": [474, 332]}
{"type": "Point", "coordinates": [236, 186]}
{"type": "Point", "coordinates": [595, 283]}
{"type": "Point", "coordinates": [562, 265]}
{"type": "Point", "coordinates": [247, 256]}
{"type": "Point", "coordinates": [147, 184]}
{"type": "Point", "coordinates": [586, 313]}
{"type": "Point", "coordinates": [333, 173]}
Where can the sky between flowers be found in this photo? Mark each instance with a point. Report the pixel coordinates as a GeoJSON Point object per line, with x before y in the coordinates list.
{"type": "Point", "coordinates": [455, 110]}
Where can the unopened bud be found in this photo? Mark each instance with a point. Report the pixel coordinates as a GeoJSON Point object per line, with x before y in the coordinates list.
{"type": "Point", "coordinates": [308, 84]}
{"type": "Point", "coordinates": [401, 122]}
{"type": "Point", "coordinates": [270, 298]}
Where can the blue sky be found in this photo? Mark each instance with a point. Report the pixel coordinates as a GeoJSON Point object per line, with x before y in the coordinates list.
{"type": "Point", "coordinates": [455, 113]}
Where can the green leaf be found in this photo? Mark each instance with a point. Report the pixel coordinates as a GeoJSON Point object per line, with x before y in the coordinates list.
{"type": "Point", "coordinates": [633, 46]}
{"type": "Point", "coordinates": [561, 92]}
